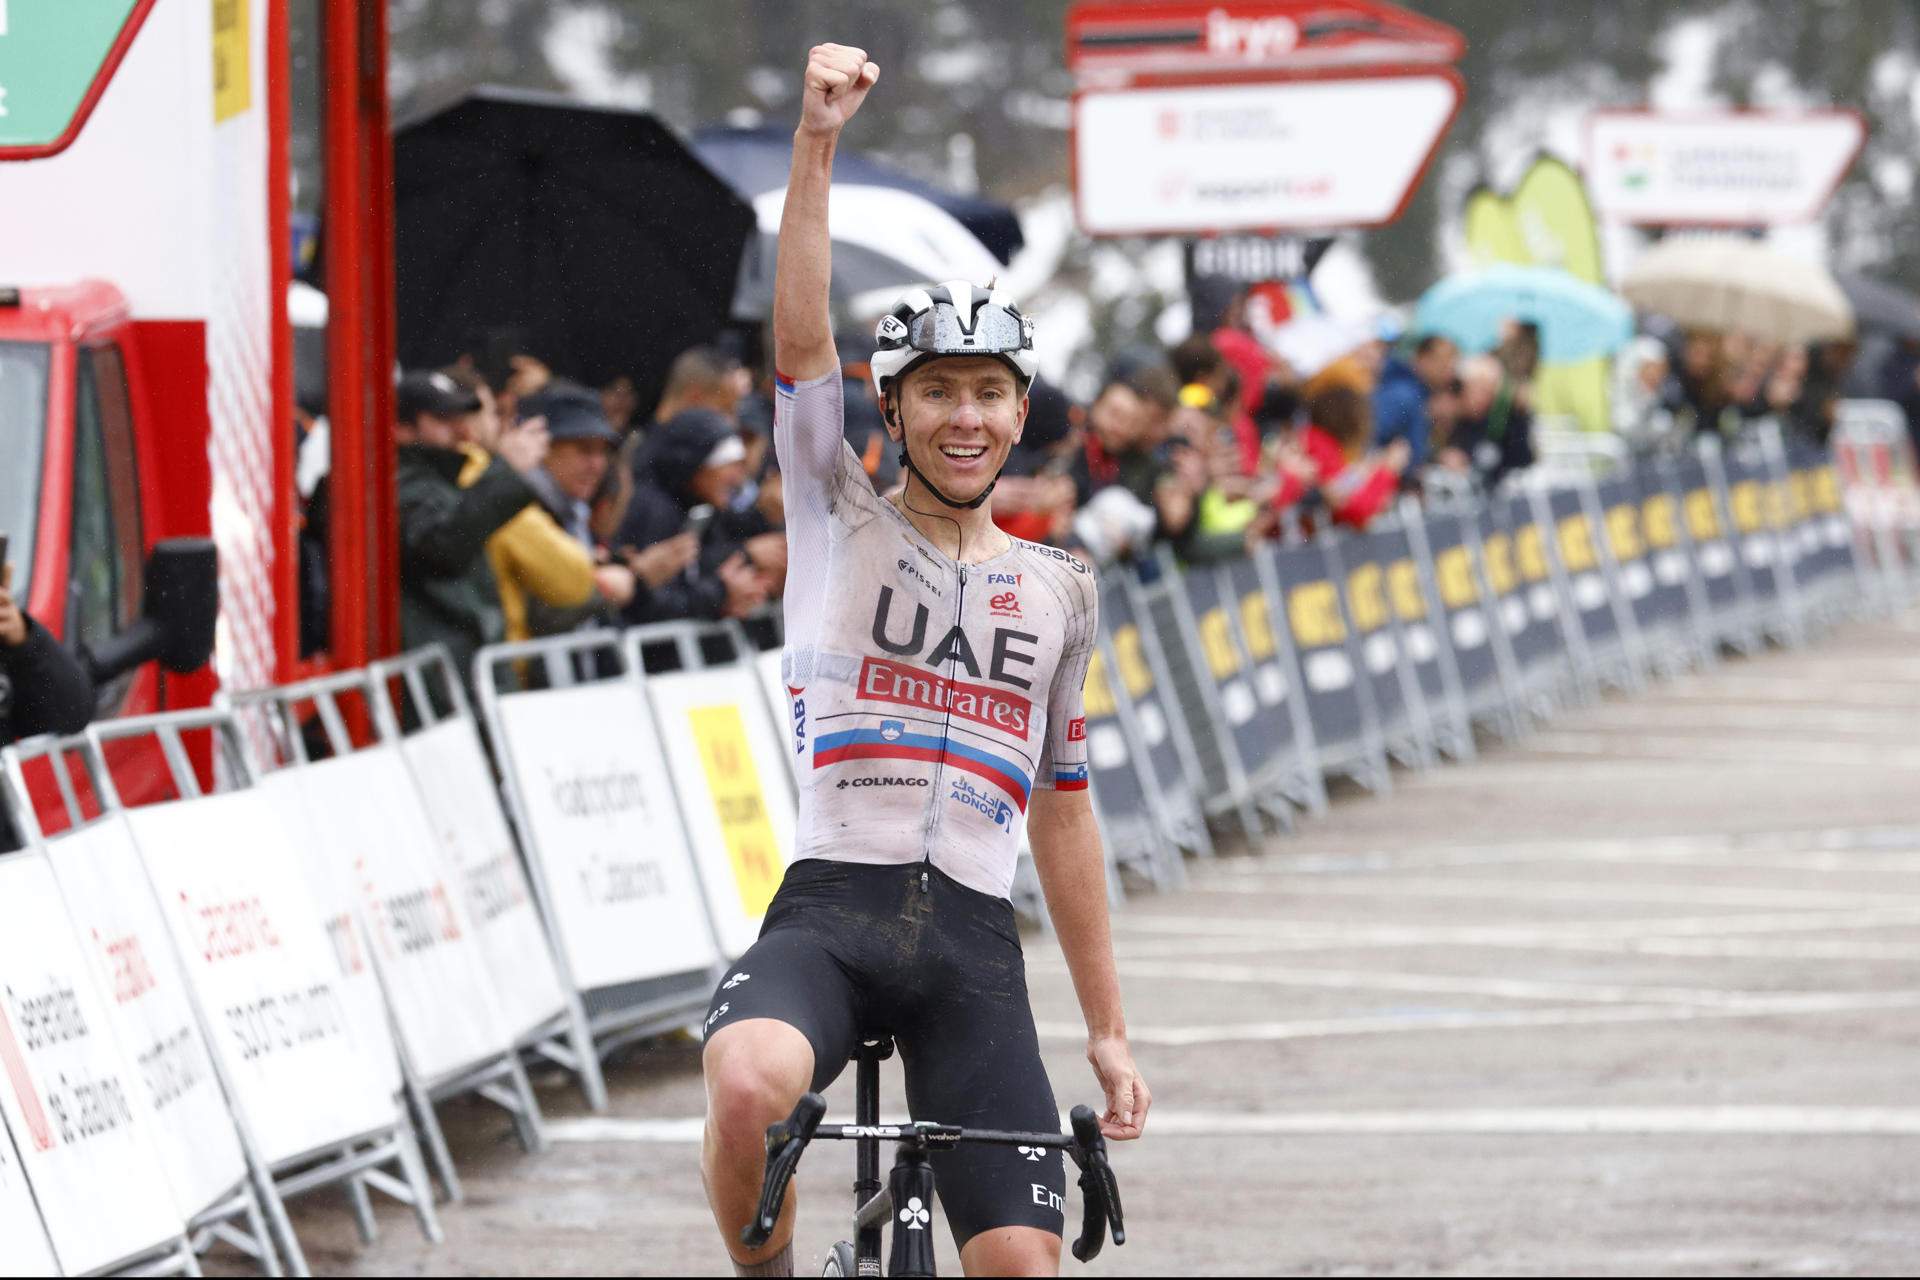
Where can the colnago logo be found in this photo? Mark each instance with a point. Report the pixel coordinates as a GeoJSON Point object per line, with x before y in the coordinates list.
{"type": "Point", "coordinates": [799, 720]}
{"type": "Point", "coordinates": [844, 783]}
{"type": "Point", "coordinates": [974, 798]}
{"type": "Point", "coordinates": [885, 681]}
{"type": "Point", "coordinates": [1077, 729]}
{"type": "Point", "coordinates": [1250, 38]}
{"type": "Point", "coordinates": [1004, 605]}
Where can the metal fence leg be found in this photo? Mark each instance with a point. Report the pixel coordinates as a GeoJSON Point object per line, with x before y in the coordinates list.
{"type": "Point", "coordinates": [415, 1171]}
{"type": "Point", "coordinates": [362, 1206]}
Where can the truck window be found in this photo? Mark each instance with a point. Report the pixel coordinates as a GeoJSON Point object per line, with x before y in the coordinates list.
{"type": "Point", "coordinates": [23, 426]}
{"type": "Point", "coordinates": [104, 580]}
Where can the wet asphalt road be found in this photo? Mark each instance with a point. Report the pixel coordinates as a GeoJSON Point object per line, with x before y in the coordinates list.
{"type": "Point", "coordinates": [1638, 994]}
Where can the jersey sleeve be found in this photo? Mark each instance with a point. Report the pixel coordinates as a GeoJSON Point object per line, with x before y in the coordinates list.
{"type": "Point", "coordinates": [1063, 758]}
{"type": "Point", "coordinates": [816, 472]}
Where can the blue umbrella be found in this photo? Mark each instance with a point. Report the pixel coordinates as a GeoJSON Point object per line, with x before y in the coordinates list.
{"type": "Point", "coordinates": [1576, 319]}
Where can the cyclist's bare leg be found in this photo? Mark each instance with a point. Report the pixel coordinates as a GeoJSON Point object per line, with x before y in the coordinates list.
{"type": "Point", "coordinates": [755, 1071]}
{"type": "Point", "coordinates": [1012, 1251]}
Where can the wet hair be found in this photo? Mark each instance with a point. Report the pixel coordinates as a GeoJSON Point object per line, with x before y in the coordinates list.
{"type": "Point", "coordinates": [1341, 412]}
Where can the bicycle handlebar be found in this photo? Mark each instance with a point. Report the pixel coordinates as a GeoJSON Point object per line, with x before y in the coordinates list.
{"type": "Point", "coordinates": [786, 1141]}
{"type": "Point", "coordinates": [1099, 1192]}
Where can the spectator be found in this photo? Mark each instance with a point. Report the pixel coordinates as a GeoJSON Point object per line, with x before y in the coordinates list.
{"type": "Point", "coordinates": [1129, 426]}
{"type": "Point", "coordinates": [541, 572]}
{"type": "Point", "coordinates": [1494, 435]}
{"type": "Point", "coordinates": [1330, 456]}
{"type": "Point", "coordinates": [694, 460]}
{"type": "Point", "coordinates": [447, 588]}
{"type": "Point", "coordinates": [1644, 397]}
{"type": "Point", "coordinates": [620, 403]}
{"type": "Point", "coordinates": [703, 377]}
{"type": "Point", "coordinates": [1401, 397]}
{"type": "Point", "coordinates": [1034, 498]}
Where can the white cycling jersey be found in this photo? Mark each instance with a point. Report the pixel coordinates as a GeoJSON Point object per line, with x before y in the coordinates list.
{"type": "Point", "coordinates": [928, 698]}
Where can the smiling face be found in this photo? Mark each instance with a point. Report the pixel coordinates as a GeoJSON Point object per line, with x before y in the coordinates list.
{"type": "Point", "coordinates": [960, 415]}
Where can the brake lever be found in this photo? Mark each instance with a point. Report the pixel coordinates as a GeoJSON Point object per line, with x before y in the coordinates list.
{"type": "Point", "coordinates": [1099, 1192]}
{"type": "Point", "coordinates": [786, 1142]}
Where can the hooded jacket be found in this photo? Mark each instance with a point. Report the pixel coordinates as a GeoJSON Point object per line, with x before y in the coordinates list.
{"type": "Point", "coordinates": [447, 589]}
{"type": "Point", "coordinates": [663, 471]}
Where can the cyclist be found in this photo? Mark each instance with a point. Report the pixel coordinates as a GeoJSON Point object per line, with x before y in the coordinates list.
{"type": "Point", "coordinates": [935, 667]}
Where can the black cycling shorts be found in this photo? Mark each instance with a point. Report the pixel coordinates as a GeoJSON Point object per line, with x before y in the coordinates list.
{"type": "Point", "coordinates": [850, 950]}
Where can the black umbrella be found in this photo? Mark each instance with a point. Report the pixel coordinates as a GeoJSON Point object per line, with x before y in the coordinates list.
{"type": "Point", "coordinates": [1879, 307]}
{"type": "Point", "coordinates": [591, 233]}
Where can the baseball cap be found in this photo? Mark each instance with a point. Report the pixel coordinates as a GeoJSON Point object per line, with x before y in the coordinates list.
{"type": "Point", "coordinates": [435, 393]}
{"type": "Point", "coordinates": [572, 412]}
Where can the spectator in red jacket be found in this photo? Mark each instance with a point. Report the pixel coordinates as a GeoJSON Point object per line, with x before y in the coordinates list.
{"type": "Point", "coordinates": [1330, 454]}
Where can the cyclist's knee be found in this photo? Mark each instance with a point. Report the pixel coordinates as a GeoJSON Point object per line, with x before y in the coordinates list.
{"type": "Point", "coordinates": [755, 1072]}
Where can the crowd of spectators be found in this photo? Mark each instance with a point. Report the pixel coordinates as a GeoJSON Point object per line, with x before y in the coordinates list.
{"type": "Point", "coordinates": [532, 505]}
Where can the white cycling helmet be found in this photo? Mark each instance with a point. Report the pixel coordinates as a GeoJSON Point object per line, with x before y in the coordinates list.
{"type": "Point", "coordinates": [952, 319]}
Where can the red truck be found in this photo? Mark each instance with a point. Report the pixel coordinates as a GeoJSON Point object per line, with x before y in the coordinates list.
{"type": "Point", "coordinates": [146, 359]}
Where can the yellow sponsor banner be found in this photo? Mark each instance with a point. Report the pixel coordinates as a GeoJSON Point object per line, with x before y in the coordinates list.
{"type": "Point", "coordinates": [1403, 586]}
{"type": "Point", "coordinates": [1453, 572]}
{"type": "Point", "coordinates": [1703, 516]}
{"type": "Point", "coordinates": [1576, 544]}
{"type": "Point", "coordinates": [739, 802]}
{"type": "Point", "coordinates": [1745, 501]}
{"type": "Point", "coordinates": [232, 58]}
{"type": "Point", "coordinates": [1779, 496]}
{"type": "Point", "coordinates": [1497, 551]}
{"type": "Point", "coordinates": [1313, 611]}
{"type": "Point", "coordinates": [1096, 696]}
{"type": "Point", "coordinates": [1623, 532]}
{"type": "Point", "coordinates": [1367, 598]}
{"type": "Point", "coordinates": [1802, 484]}
{"type": "Point", "coordinates": [1135, 671]}
{"type": "Point", "coordinates": [1530, 553]}
{"type": "Point", "coordinates": [1659, 521]}
{"type": "Point", "coordinates": [1256, 624]}
{"type": "Point", "coordinates": [1826, 491]}
{"type": "Point", "coordinates": [1223, 659]}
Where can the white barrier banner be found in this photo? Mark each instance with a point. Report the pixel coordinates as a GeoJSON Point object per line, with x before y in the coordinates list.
{"type": "Point", "coordinates": [787, 707]}
{"type": "Point", "coordinates": [726, 766]}
{"type": "Point", "coordinates": [377, 840]}
{"type": "Point", "coordinates": [455, 785]}
{"type": "Point", "coordinates": [121, 929]}
{"type": "Point", "coordinates": [588, 768]}
{"type": "Point", "coordinates": [86, 1137]}
{"type": "Point", "coordinates": [250, 935]}
{"type": "Point", "coordinates": [352, 950]}
{"type": "Point", "coordinates": [24, 1250]}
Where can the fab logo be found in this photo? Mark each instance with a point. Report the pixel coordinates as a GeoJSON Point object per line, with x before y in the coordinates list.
{"type": "Point", "coordinates": [799, 720]}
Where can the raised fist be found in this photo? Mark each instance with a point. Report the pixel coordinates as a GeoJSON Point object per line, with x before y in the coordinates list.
{"type": "Point", "coordinates": [837, 80]}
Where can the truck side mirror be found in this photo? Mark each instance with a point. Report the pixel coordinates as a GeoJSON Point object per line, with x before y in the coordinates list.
{"type": "Point", "coordinates": [182, 603]}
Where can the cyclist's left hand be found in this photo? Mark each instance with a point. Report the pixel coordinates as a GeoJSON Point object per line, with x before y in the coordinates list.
{"type": "Point", "coordinates": [1127, 1095]}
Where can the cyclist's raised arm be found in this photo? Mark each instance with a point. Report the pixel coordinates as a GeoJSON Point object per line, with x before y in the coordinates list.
{"type": "Point", "coordinates": [837, 80]}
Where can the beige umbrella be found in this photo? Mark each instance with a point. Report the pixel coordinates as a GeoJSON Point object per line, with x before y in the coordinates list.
{"type": "Point", "coordinates": [1733, 285]}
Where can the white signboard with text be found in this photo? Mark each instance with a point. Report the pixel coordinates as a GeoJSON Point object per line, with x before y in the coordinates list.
{"type": "Point", "coordinates": [455, 784]}
{"type": "Point", "coordinates": [376, 844]}
{"type": "Point", "coordinates": [86, 1137]}
{"type": "Point", "coordinates": [614, 860]}
{"type": "Point", "coordinates": [1728, 169]}
{"type": "Point", "coordinates": [728, 770]}
{"type": "Point", "coordinates": [248, 931]}
{"type": "Point", "coordinates": [24, 1250]}
{"type": "Point", "coordinates": [121, 928]}
{"type": "Point", "coordinates": [1275, 155]}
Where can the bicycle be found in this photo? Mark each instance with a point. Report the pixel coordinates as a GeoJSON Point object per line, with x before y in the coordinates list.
{"type": "Point", "coordinates": [910, 1184]}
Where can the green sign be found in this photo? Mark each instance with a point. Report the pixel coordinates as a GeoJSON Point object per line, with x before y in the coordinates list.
{"type": "Point", "coordinates": [51, 54]}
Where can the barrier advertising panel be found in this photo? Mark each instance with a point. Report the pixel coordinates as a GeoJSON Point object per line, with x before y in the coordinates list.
{"type": "Point", "coordinates": [81, 1120]}
{"type": "Point", "coordinates": [24, 1250]}
{"type": "Point", "coordinates": [1469, 626]}
{"type": "Point", "coordinates": [1153, 710]}
{"type": "Point", "coordinates": [1318, 621]}
{"type": "Point", "coordinates": [455, 784]}
{"type": "Point", "coordinates": [1712, 549]}
{"type": "Point", "coordinates": [249, 935]}
{"type": "Point", "coordinates": [377, 847]}
{"type": "Point", "coordinates": [1665, 609]}
{"type": "Point", "coordinates": [599, 802]}
{"type": "Point", "coordinates": [124, 935]}
{"type": "Point", "coordinates": [1375, 636]}
{"type": "Point", "coordinates": [726, 766]}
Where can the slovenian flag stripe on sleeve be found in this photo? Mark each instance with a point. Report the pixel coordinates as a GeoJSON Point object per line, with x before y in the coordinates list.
{"type": "Point", "coordinates": [1073, 779]}
{"type": "Point", "coordinates": [781, 382]}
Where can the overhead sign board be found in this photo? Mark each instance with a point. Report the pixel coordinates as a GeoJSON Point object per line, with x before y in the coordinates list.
{"type": "Point", "coordinates": [1741, 168]}
{"type": "Point", "coordinates": [1199, 159]}
{"type": "Point", "coordinates": [1109, 41]}
{"type": "Point", "coordinates": [55, 60]}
